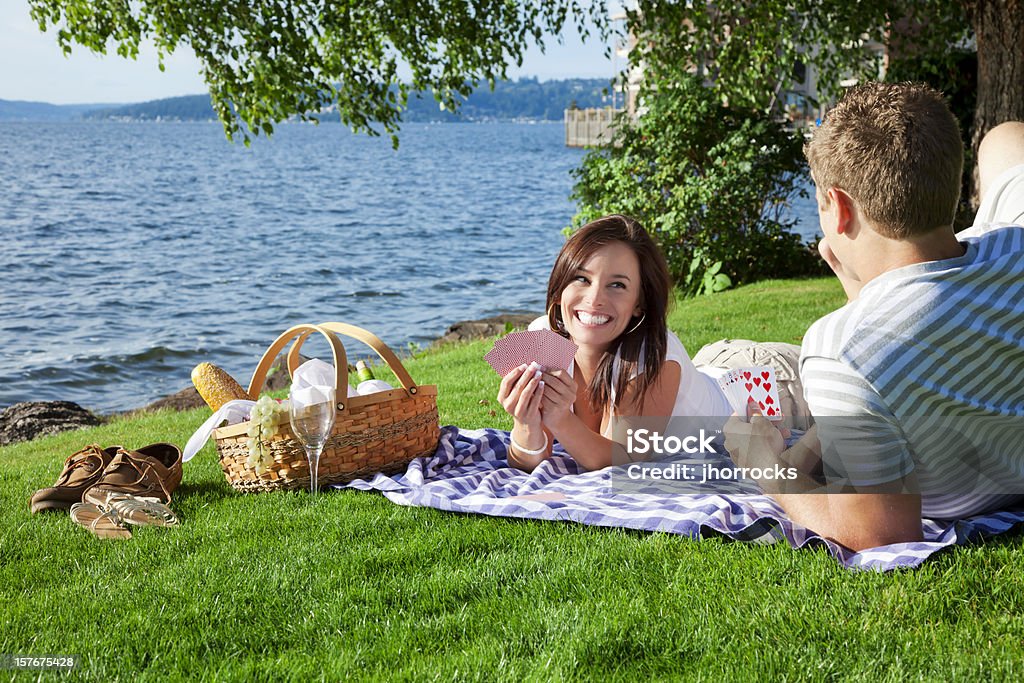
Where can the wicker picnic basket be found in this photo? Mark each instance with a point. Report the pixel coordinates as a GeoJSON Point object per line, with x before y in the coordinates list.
{"type": "Point", "coordinates": [379, 432]}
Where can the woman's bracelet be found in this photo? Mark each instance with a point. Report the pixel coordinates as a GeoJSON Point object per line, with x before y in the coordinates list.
{"type": "Point", "coordinates": [527, 451]}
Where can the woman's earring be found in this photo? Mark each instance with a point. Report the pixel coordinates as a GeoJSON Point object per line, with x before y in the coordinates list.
{"type": "Point", "coordinates": [639, 322]}
{"type": "Point", "coordinates": [558, 322]}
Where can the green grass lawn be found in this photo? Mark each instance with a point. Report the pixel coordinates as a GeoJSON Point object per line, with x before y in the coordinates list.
{"type": "Point", "coordinates": [281, 586]}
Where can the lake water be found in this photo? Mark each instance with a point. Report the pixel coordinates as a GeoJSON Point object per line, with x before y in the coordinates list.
{"type": "Point", "coordinates": [132, 252]}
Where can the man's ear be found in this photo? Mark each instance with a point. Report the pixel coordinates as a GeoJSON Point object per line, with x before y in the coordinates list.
{"type": "Point", "coordinates": [846, 210]}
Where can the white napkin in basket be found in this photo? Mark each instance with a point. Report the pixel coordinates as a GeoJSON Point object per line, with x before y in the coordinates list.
{"type": "Point", "coordinates": [231, 412]}
{"type": "Point", "coordinates": [312, 382]}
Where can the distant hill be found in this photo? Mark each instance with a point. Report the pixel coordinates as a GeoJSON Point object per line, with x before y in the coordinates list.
{"type": "Point", "coordinates": [184, 108]}
{"type": "Point", "coordinates": [526, 98]}
{"type": "Point", "coordinates": [16, 110]}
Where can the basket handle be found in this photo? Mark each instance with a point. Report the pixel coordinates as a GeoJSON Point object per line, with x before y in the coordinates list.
{"type": "Point", "coordinates": [301, 332]}
{"type": "Point", "coordinates": [368, 338]}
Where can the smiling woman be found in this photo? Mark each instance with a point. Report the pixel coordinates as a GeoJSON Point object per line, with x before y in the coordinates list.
{"type": "Point", "coordinates": [608, 292]}
{"type": "Point", "coordinates": [600, 296]}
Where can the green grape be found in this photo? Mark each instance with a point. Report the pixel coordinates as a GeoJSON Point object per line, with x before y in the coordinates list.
{"type": "Point", "coordinates": [262, 426]}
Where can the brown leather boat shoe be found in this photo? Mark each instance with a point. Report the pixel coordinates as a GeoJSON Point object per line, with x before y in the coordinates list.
{"type": "Point", "coordinates": [81, 470]}
{"type": "Point", "coordinates": [153, 472]}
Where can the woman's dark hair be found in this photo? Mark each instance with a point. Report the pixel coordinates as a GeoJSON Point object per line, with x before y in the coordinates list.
{"type": "Point", "coordinates": [650, 337]}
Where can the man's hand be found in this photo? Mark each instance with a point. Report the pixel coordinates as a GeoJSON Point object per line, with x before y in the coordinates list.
{"type": "Point", "coordinates": [850, 285]}
{"type": "Point", "coordinates": [755, 442]}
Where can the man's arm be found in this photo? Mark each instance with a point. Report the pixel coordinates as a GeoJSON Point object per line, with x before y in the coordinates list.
{"type": "Point", "coordinates": [864, 448]}
{"type": "Point", "coordinates": [857, 520]}
{"type": "Point", "coordinates": [871, 517]}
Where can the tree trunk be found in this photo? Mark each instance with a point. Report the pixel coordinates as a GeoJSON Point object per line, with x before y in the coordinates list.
{"type": "Point", "coordinates": [999, 32]}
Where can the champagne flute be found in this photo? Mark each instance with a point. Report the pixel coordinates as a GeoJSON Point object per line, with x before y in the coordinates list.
{"type": "Point", "coordinates": [312, 424]}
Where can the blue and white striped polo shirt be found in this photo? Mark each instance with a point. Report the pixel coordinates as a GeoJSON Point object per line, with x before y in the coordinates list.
{"type": "Point", "coordinates": [924, 373]}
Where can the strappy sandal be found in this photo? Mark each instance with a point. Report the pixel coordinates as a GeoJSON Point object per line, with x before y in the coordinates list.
{"type": "Point", "coordinates": [101, 523]}
{"type": "Point", "coordinates": [141, 511]}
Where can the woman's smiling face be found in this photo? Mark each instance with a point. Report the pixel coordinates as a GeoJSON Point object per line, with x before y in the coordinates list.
{"type": "Point", "coordinates": [603, 296]}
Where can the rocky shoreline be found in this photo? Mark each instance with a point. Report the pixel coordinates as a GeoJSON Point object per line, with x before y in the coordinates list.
{"type": "Point", "coordinates": [28, 420]}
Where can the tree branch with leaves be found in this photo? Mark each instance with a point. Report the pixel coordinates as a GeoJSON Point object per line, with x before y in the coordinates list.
{"type": "Point", "coordinates": [266, 61]}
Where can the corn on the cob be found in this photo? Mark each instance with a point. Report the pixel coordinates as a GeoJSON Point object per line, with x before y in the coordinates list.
{"type": "Point", "coordinates": [216, 386]}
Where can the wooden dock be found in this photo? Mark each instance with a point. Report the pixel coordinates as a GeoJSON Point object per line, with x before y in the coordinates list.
{"type": "Point", "coordinates": [589, 127]}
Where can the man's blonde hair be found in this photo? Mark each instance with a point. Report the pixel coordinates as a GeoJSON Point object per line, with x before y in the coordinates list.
{"type": "Point", "coordinates": [895, 148]}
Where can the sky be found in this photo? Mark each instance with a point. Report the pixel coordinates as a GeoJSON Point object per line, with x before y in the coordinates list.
{"type": "Point", "coordinates": [33, 68]}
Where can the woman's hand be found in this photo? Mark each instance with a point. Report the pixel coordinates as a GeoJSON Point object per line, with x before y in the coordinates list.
{"type": "Point", "coordinates": [520, 394]}
{"type": "Point", "coordinates": [559, 395]}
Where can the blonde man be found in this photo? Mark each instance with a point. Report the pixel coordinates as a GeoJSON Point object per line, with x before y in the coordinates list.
{"type": "Point", "coordinates": [914, 384]}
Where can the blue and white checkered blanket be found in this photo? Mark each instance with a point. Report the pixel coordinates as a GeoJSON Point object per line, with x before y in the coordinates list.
{"type": "Point", "coordinates": [469, 473]}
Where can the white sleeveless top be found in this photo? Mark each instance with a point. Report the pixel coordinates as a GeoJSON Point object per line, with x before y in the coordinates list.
{"type": "Point", "coordinates": [699, 394]}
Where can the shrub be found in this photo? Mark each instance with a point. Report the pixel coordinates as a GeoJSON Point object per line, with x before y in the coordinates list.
{"type": "Point", "coordinates": [708, 182]}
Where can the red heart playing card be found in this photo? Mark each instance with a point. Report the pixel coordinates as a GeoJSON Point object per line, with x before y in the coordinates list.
{"type": "Point", "coordinates": [755, 384]}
